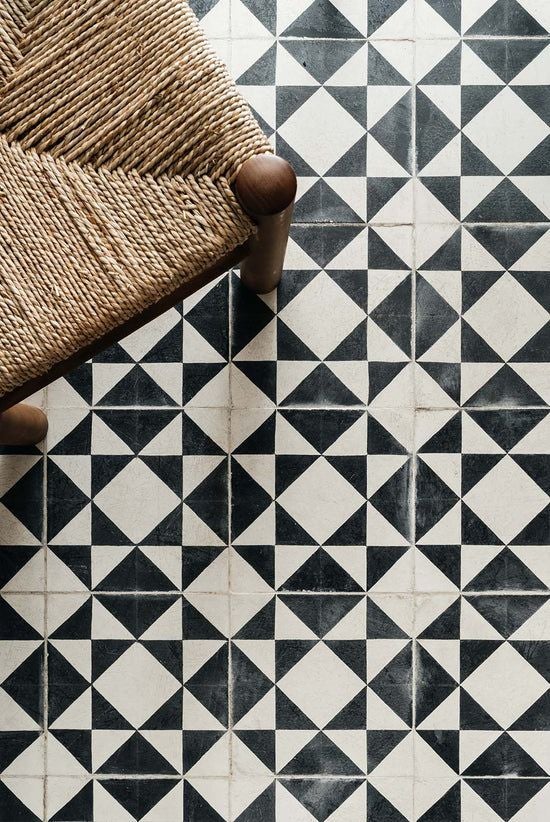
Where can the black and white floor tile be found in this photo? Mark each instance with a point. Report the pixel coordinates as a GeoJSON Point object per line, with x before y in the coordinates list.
{"type": "Point", "coordinates": [288, 557]}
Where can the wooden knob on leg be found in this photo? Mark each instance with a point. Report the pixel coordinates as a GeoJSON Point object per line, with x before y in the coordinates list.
{"type": "Point", "coordinates": [22, 425]}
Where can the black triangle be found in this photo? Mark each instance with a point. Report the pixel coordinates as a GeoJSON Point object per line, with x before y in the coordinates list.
{"type": "Point", "coordinates": [393, 684]}
{"type": "Point", "coordinates": [287, 530]}
{"type": "Point", "coordinates": [504, 60]}
{"type": "Point", "coordinates": [289, 652]}
{"type": "Point", "coordinates": [13, 808]}
{"type": "Point", "coordinates": [262, 745]}
{"type": "Point", "coordinates": [445, 744]}
{"type": "Point", "coordinates": [321, 756]}
{"type": "Point", "coordinates": [209, 317]}
{"type": "Point", "coordinates": [507, 17]}
{"type": "Point", "coordinates": [196, 625]}
{"type": "Point", "coordinates": [319, 427]}
{"type": "Point", "coordinates": [506, 796]}
{"type": "Point", "coordinates": [328, 795]}
{"type": "Point", "coordinates": [137, 388]}
{"type": "Point", "coordinates": [13, 559]}
{"type": "Point", "coordinates": [380, 190]}
{"type": "Point", "coordinates": [536, 350]}
{"type": "Point", "coordinates": [196, 744]}
{"type": "Point", "coordinates": [473, 100]}
{"type": "Point", "coordinates": [476, 532]}
{"type": "Point", "coordinates": [435, 496]}
{"type": "Point", "coordinates": [379, 808]}
{"type": "Point", "coordinates": [263, 375]}
{"type": "Point", "coordinates": [106, 717]}
{"type": "Point", "coordinates": [262, 624]}
{"type": "Point", "coordinates": [393, 315]}
{"type": "Point", "coordinates": [447, 376]}
{"type": "Point", "coordinates": [379, 439]}
{"type": "Point", "coordinates": [473, 652]}
{"type": "Point", "coordinates": [322, 386]}
{"type": "Point", "coordinates": [170, 715]}
{"type": "Point", "coordinates": [536, 531]}
{"type": "Point", "coordinates": [447, 440]}
{"type": "Point", "coordinates": [506, 572]}
{"type": "Point", "coordinates": [392, 500]}
{"type": "Point", "coordinates": [351, 651]}
{"type": "Point", "coordinates": [261, 558]}
{"type": "Point", "coordinates": [474, 162]}
{"type": "Point", "coordinates": [504, 757]}
{"type": "Point", "coordinates": [322, 19]}
{"type": "Point", "coordinates": [78, 559]}
{"type": "Point", "coordinates": [441, 129]}
{"type": "Point", "coordinates": [447, 558]}
{"type": "Point", "coordinates": [473, 717]}
{"type": "Point", "coordinates": [447, 808]}
{"type": "Point", "coordinates": [78, 743]}
{"type": "Point", "coordinates": [167, 349]}
{"type": "Point", "coordinates": [321, 573]}
{"type": "Point", "coordinates": [447, 624]}
{"type": "Point", "coordinates": [352, 716]}
{"type": "Point", "coordinates": [537, 98]}
{"type": "Point", "coordinates": [380, 12]}
{"type": "Point", "coordinates": [320, 613]}
{"type": "Point", "coordinates": [447, 71]}
{"type": "Point", "coordinates": [381, 374]}
{"type": "Point", "coordinates": [262, 72]}
{"type": "Point", "coordinates": [209, 500]}
{"type": "Point", "coordinates": [475, 284]}
{"type": "Point", "coordinates": [319, 57]}
{"type": "Point", "coordinates": [506, 243]}
{"type": "Point", "coordinates": [13, 744]}
{"type": "Point", "coordinates": [380, 744]}
{"type": "Point", "coordinates": [197, 441]}
{"type": "Point", "coordinates": [196, 807]}
{"type": "Point", "coordinates": [379, 624]}
{"type": "Point", "coordinates": [434, 316]}
{"type": "Point", "coordinates": [138, 796]}
{"type": "Point", "coordinates": [474, 348]}
{"type": "Point", "coordinates": [80, 807]}
{"type": "Point", "coordinates": [78, 625]}
{"type": "Point", "coordinates": [323, 243]}
{"type": "Point", "coordinates": [23, 498]}
{"type": "Point", "coordinates": [77, 441]}
{"type": "Point", "coordinates": [536, 717]}
{"type": "Point", "coordinates": [507, 203]}
{"type": "Point", "coordinates": [148, 575]}
{"type": "Point", "coordinates": [379, 561]}
{"type": "Point", "coordinates": [209, 685]}
{"type": "Point", "coordinates": [353, 347]}
{"type": "Point", "coordinates": [393, 131]}
{"type": "Point", "coordinates": [448, 257]}
{"type": "Point", "coordinates": [506, 613]}
{"type": "Point", "coordinates": [536, 466]}
{"type": "Point", "coordinates": [250, 500]}
{"type": "Point", "coordinates": [475, 467]}
{"type": "Point", "coordinates": [289, 716]}
{"type": "Point", "coordinates": [12, 626]}
{"type": "Point", "coordinates": [506, 384]}
{"type": "Point", "coordinates": [446, 190]}
{"type": "Point", "coordinates": [81, 380]}
{"type": "Point", "coordinates": [507, 428]}
{"type": "Point", "coordinates": [290, 346]}
{"type": "Point", "coordinates": [137, 614]}
{"type": "Point", "coordinates": [263, 807]}
{"type": "Point", "coordinates": [434, 687]}
{"type": "Point", "coordinates": [449, 11]}
{"type": "Point", "coordinates": [261, 441]}
{"type": "Point", "coordinates": [197, 375]}
{"type": "Point", "coordinates": [381, 72]}
{"type": "Point", "coordinates": [265, 13]}
{"type": "Point", "coordinates": [321, 202]}
{"type": "Point", "coordinates": [252, 684]}
{"type": "Point", "coordinates": [381, 256]}
{"type": "Point", "coordinates": [353, 163]}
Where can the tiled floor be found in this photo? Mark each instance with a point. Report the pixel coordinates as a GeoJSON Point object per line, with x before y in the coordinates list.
{"type": "Point", "coordinates": [312, 530]}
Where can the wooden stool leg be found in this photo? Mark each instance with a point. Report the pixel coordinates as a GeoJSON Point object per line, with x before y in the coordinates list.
{"type": "Point", "coordinates": [22, 425]}
{"type": "Point", "coordinates": [266, 188]}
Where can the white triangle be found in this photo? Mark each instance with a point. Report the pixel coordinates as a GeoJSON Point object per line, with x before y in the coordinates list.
{"type": "Point", "coordinates": [106, 807]}
{"type": "Point", "coordinates": [536, 375]}
{"type": "Point", "coordinates": [290, 72]}
{"type": "Point", "coordinates": [262, 99]}
{"type": "Point", "coordinates": [353, 72]}
{"type": "Point", "coordinates": [105, 625]}
{"type": "Point", "coordinates": [245, 791]}
{"type": "Point", "coordinates": [536, 810]}
{"type": "Point", "coordinates": [243, 609]}
{"type": "Point", "coordinates": [379, 162]}
{"type": "Point", "coordinates": [214, 578]}
{"type": "Point", "coordinates": [353, 807]}
{"type": "Point", "coordinates": [353, 11]}
{"type": "Point", "coordinates": [60, 577]}
{"type": "Point", "coordinates": [399, 26]}
{"type": "Point", "coordinates": [429, 423]}
{"type": "Point", "coordinates": [30, 577]}
{"type": "Point", "coordinates": [78, 469]}
{"type": "Point", "coordinates": [262, 347]}
{"type": "Point", "coordinates": [78, 654]}
{"type": "Point", "coordinates": [198, 653]}
{"type": "Point", "coordinates": [105, 559]}
{"type": "Point", "coordinates": [473, 744]}
{"type": "Point", "coordinates": [244, 393]}
{"type": "Point", "coordinates": [78, 716]}
{"type": "Point", "coordinates": [353, 560]}
{"type": "Point", "coordinates": [448, 467]}
{"type": "Point", "coordinates": [447, 531]}
{"type": "Point", "coordinates": [13, 654]}
{"type": "Point", "coordinates": [261, 653]}
{"type": "Point", "coordinates": [352, 374]}
{"type": "Point", "coordinates": [289, 441]}
{"type": "Point", "coordinates": [216, 23]}
{"type": "Point", "coordinates": [244, 422]}
{"type": "Point", "coordinates": [536, 627]}
{"type": "Point", "coordinates": [474, 626]}
{"type": "Point", "coordinates": [213, 607]}
{"type": "Point", "coordinates": [398, 791]}
{"type": "Point", "coordinates": [261, 532]}
{"type": "Point", "coordinates": [352, 442]}
{"type": "Point", "coordinates": [167, 558]}
{"type": "Point", "coordinates": [289, 808]}
{"type": "Point", "coordinates": [400, 57]}
{"type": "Point", "coordinates": [214, 761]}
{"type": "Point", "coordinates": [446, 99]}
{"type": "Point", "coordinates": [473, 807]}
{"type": "Point", "coordinates": [246, 24]}
{"type": "Point", "coordinates": [380, 654]}
{"type": "Point", "coordinates": [215, 393]}
{"type": "Point", "coordinates": [167, 442]}
{"type": "Point", "coordinates": [447, 162]}
{"type": "Point", "coordinates": [289, 626]}
{"type": "Point", "coordinates": [431, 24]}
{"type": "Point", "coordinates": [400, 207]}
{"type": "Point", "coordinates": [261, 467]}
{"type": "Point", "coordinates": [288, 558]}
{"type": "Point", "coordinates": [77, 531]}
{"type": "Point", "coordinates": [537, 441]}
{"type": "Point", "coordinates": [289, 744]}
{"type": "Point", "coordinates": [62, 395]}
{"type": "Point", "coordinates": [213, 421]}
{"type": "Point", "coordinates": [138, 344]}
{"type": "Point", "coordinates": [352, 625]}
{"type": "Point", "coordinates": [29, 608]}
{"type": "Point", "coordinates": [13, 469]}
{"type": "Point", "coordinates": [380, 531]}
{"type": "Point", "coordinates": [106, 376]}
{"type": "Point", "coordinates": [12, 530]}
{"type": "Point", "coordinates": [429, 239]}
{"type": "Point", "coordinates": [399, 392]}
{"type": "Point", "coordinates": [445, 717]}
{"type": "Point", "coordinates": [399, 239]}
{"type": "Point", "coordinates": [381, 717]}
{"type": "Point", "coordinates": [29, 761]}
{"type": "Point", "coordinates": [197, 531]}
{"type": "Point", "coordinates": [431, 54]}
{"type": "Point", "coordinates": [215, 793]}
{"type": "Point", "coordinates": [536, 190]}
{"type": "Point", "coordinates": [61, 421]}
{"type": "Point", "coordinates": [475, 72]}
{"type": "Point", "coordinates": [446, 652]}
{"type": "Point", "coordinates": [474, 558]}
{"type": "Point", "coordinates": [473, 190]}
{"type": "Point", "coordinates": [398, 421]}
{"type": "Point", "coordinates": [400, 761]}
{"type": "Point", "coordinates": [475, 440]}
{"type": "Point", "coordinates": [430, 608]}
{"type": "Point", "coordinates": [427, 792]}
{"type": "Point", "coordinates": [398, 578]}
{"type": "Point", "coordinates": [297, 260]}
{"type": "Point", "coordinates": [537, 745]}
{"type": "Point", "coordinates": [381, 99]}
{"type": "Point", "coordinates": [170, 806]}
{"type": "Point", "coordinates": [353, 257]}
{"type": "Point", "coordinates": [244, 761]}
{"type": "Point", "coordinates": [474, 376]}
{"type": "Point", "coordinates": [197, 349]}
{"type": "Point", "coordinates": [352, 743]}
{"type": "Point", "coordinates": [262, 715]}
{"type": "Point", "coordinates": [245, 578]}
{"type": "Point", "coordinates": [380, 468]}
{"type": "Point", "coordinates": [196, 716]}
{"type": "Point", "coordinates": [475, 257]}
{"type": "Point", "coordinates": [60, 761]}
{"type": "Point", "coordinates": [429, 207]}
{"type": "Point", "coordinates": [168, 626]}
{"type": "Point", "coordinates": [429, 578]}
{"type": "Point", "coordinates": [352, 191]}
{"type": "Point", "coordinates": [105, 744]}
{"type": "Point", "coordinates": [290, 375]}
{"type": "Point", "coordinates": [13, 716]}
{"type": "Point", "coordinates": [446, 348]}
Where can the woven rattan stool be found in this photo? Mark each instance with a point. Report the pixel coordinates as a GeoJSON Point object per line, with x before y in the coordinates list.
{"type": "Point", "coordinates": [131, 174]}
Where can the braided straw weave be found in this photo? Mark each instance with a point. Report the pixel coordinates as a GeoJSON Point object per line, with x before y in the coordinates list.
{"type": "Point", "coordinates": [120, 135]}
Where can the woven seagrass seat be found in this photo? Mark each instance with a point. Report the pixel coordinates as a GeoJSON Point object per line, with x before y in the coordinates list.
{"type": "Point", "coordinates": [121, 138]}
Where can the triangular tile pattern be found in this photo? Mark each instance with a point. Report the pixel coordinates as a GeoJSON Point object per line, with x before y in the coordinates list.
{"type": "Point", "coordinates": [286, 654]}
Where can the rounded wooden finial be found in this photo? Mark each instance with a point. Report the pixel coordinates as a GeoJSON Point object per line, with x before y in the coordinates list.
{"type": "Point", "coordinates": [265, 185]}
{"type": "Point", "coordinates": [22, 425]}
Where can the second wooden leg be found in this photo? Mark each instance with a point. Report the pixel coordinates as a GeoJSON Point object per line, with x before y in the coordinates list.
{"type": "Point", "coordinates": [22, 425]}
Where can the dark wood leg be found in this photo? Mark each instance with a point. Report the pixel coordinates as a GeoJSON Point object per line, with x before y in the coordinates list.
{"type": "Point", "coordinates": [22, 425]}
{"type": "Point", "coordinates": [266, 188]}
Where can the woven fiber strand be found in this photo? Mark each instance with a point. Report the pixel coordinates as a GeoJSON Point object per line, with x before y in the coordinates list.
{"type": "Point", "coordinates": [120, 135]}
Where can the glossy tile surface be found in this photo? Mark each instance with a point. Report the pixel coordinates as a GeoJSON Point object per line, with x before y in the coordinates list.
{"type": "Point", "coordinates": [288, 557]}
